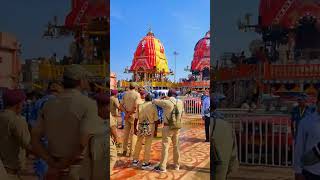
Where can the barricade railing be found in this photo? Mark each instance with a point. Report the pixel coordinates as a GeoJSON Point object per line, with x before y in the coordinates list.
{"type": "Point", "coordinates": [192, 105]}
{"type": "Point", "coordinates": [262, 139]}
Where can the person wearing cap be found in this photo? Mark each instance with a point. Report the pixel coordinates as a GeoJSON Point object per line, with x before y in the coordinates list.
{"type": "Point", "coordinates": [147, 116]}
{"type": "Point", "coordinates": [68, 121]}
{"type": "Point", "coordinates": [223, 145]}
{"type": "Point", "coordinates": [14, 133]}
{"type": "Point", "coordinates": [129, 105]}
{"type": "Point", "coordinates": [114, 104]}
{"type": "Point", "coordinates": [54, 89]}
{"type": "Point", "coordinates": [205, 112]}
{"type": "Point", "coordinates": [168, 104]}
{"type": "Point", "coordinates": [140, 101]}
{"type": "Point", "coordinates": [307, 138]}
{"type": "Point", "coordinates": [298, 113]}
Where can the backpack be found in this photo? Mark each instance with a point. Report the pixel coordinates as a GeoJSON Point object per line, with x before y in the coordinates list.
{"type": "Point", "coordinates": [175, 117]}
{"type": "Point", "coordinates": [144, 128]}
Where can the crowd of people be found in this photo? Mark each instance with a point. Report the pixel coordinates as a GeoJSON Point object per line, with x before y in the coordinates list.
{"type": "Point", "coordinates": [59, 129]}
{"type": "Point", "coordinates": [64, 132]}
{"type": "Point", "coordinates": [141, 113]}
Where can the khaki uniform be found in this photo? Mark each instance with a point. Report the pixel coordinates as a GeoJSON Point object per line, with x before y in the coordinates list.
{"type": "Point", "coordinates": [63, 120]}
{"type": "Point", "coordinates": [113, 147]}
{"type": "Point", "coordinates": [94, 166]}
{"type": "Point", "coordinates": [225, 144]}
{"type": "Point", "coordinates": [167, 133]}
{"type": "Point", "coordinates": [114, 104]}
{"type": "Point", "coordinates": [14, 138]}
{"type": "Point", "coordinates": [129, 103]}
{"type": "Point", "coordinates": [147, 111]}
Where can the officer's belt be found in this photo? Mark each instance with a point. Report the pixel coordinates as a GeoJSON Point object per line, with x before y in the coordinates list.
{"type": "Point", "coordinates": [149, 123]}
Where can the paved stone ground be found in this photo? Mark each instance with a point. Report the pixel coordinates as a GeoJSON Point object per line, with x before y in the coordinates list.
{"type": "Point", "coordinates": [195, 157]}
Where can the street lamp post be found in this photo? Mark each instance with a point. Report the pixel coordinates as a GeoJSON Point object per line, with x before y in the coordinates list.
{"type": "Point", "coordinates": [175, 53]}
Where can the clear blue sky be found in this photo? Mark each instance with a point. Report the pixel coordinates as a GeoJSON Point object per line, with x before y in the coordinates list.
{"type": "Point", "coordinates": [27, 20]}
{"type": "Point", "coordinates": [227, 37]}
{"type": "Point", "coordinates": [178, 25]}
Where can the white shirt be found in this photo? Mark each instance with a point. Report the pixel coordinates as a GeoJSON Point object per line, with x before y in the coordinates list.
{"type": "Point", "coordinates": [307, 137]}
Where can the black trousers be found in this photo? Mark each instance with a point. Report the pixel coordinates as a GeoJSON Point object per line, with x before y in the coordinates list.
{"type": "Point", "coordinates": [309, 176]}
{"type": "Point", "coordinates": [207, 126]}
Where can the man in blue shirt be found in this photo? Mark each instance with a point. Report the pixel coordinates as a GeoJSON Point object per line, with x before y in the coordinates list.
{"type": "Point", "coordinates": [308, 136]}
{"type": "Point", "coordinates": [205, 113]}
{"type": "Point", "coordinates": [160, 116]}
{"type": "Point", "coordinates": [298, 113]}
{"type": "Point", "coordinates": [120, 96]}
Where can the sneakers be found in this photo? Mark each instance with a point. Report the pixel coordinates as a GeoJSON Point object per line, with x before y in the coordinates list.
{"type": "Point", "coordinates": [135, 163]}
{"type": "Point", "coordinates": [177, 167]}
{"type": "Point", "coordinates": [159, 169]}
{"type": "Point", "coordinates": [145, 166]}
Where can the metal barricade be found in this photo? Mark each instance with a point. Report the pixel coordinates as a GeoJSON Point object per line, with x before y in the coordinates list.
{"type": "Point", "coordinates": [262, 139]}
{"type": "Point", "coordinates": [192, 105]}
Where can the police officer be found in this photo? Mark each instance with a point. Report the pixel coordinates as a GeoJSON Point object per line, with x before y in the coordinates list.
{"type": "Point", "coordinates": [68, 121]}
{"type": "Point", "coordinates": [114, 139]}
{"type": "Point", "coordinates": [54, 89]}
{"type": "Point", "coordinates": [168, 103]}
{"type": "Point", "coordinates": [14, 133]}
{"type": "Point", "coordinates": [129, 105]}
{"type": "Point", "coordinates": [147, 116]}
{"type": "Point", "coordinates": [103, 110]}
{"type": "Point", "coordinates": [223, 146]}
{"type": "Point", "coordinates": [114, 104]}
{"type": "Point", "coordinates": [94, 167]}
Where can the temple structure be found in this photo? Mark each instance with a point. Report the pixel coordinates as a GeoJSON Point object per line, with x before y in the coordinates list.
{"type": "Point", "coordinates": [149, 62]}
{"type": "Point", "coordinates": [200, 65]}
{"type": "Point", "coordinates": [88, 22]}
{"type": "Point", "coordinates": [287, 60]}
{"type": "Point", "coordinates": [10, 65]}
{"type": "Point", "coordinates": [199, 78]}
{"type": "Point", "coordinates": [149, 65]}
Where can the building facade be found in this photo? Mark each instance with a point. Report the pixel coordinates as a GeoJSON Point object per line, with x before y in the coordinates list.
{"type": "Point", "coordinates": [10, 65]}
